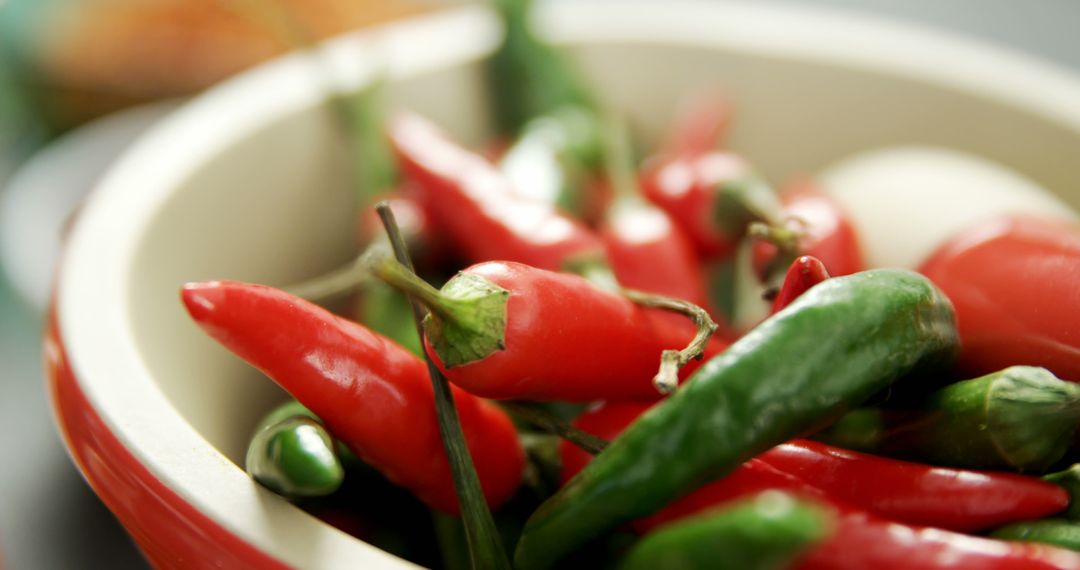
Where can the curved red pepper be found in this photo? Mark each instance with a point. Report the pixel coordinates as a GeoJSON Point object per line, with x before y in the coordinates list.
{"type": "Point", "coordinates": [474, 204]}
{"type": "Point", "coordinates": [687, 188]}
{"type": "Point", "coordinates": [827, 233]}
{"type": "Point", "coordinates": [1013, 282]}
{"type": "Point", "coordinates": [862, 540]}
{"type": "Point", "coordinates": [567, 339]}
{"type": "Point", "coordinates": [372, 394]}
{"type": "Point", "coordinates": [805, 272]}
{"type": "Point", "coordinates": [953, 499]}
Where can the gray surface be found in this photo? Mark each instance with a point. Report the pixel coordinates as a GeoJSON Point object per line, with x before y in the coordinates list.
{"type": "Point", "coordinates": [48, 517]}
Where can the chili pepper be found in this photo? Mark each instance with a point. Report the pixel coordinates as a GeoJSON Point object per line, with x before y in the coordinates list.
{"type": "Point", "coordinates": [860, 539]}
{"type": "Point", "coordinates": [858, 430]}
{"type": "Point", "coordinates": [864, 541]}
{"type": "Point", "coordinates": [700, 126]}
{"type": "Point", "coordinates": [527, 77]}
{"type": "Point", "coordinates": [804, 273]}
{"type": "Point", "coordinates": [476, 206]}
{"type": "Point", "coordinates": [764, 532]}
{"type": "Point", "coordinates": [953, 499]}
{"type": "Point", "coordinates": [294, 457]}
{"type": "Point", "coordinates": [853, 335]}
{"type": "Point", "coordinates": [646, 249]}
{"type": "Point", "coordinates": [1069, 480]}
{"type": "Point", "coordinates": [818, 227]}
{"type": "Point", "coordinates": [1056, 532]}
{"type": "Point", "coordinates": [712, 196]}
{"type": "Point", "coordinates": [1013, 281]}
{"type": "Point", "coordinates": [1021, 417]}
{"type": "Point", "coordinates": [507, 330]}
{"type": "Point", "coordinates": [372, 394]}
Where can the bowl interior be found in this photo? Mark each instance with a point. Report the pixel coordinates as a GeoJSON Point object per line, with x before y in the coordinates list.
{"type": "Point", "coordinates": [272, 204]}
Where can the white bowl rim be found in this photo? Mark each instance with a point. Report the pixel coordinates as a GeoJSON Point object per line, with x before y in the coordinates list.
{"type": "Point", "coordinates": [94, 323]}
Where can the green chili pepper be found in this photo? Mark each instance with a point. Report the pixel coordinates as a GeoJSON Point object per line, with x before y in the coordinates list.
{"type": "Point", "coordinates": [1069, 479]}
{"type": "Point", "coordinates": [293, 455]}
{"type": "Point", "coordinates": [762, 533]}
{"type": "Point", "coordinates": [1058, 532]}
{"type": "Point", "coordinates": [1021, 417]}
{"type": "Point", "coordinates": [830, 350]}
{"type": "Point", "coordinates": [858, 430]}
{"type": "Point", "coordinates": [528, 77]}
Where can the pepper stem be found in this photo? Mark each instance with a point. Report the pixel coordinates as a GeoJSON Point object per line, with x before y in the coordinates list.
{"type": "Point", "coordinates": [619, 160]}
{"type": "Point", "coordinates": [553, 424]}
{"type": "Point", "coordinates": [468, 316]}
{"type": "Point", "coordinates": [336, 283]}
{"type": "Point", "coordinates": [485, 546]}
{"type": "Point", "coordinates": [667, 379]}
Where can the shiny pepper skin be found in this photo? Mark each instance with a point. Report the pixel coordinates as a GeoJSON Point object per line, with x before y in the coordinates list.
{"type": "Point", "coordinates": [372, 394]}
{"type": "Point", "coordinates": [861, 539]}
{"type": "Point", "coordinates": [567, 339]}
{"type": "Point", "coordinates": [476, 207]}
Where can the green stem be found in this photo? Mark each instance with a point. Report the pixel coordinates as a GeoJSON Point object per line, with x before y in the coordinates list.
{"type": "Point", "coordinates": [667, 378]}
{"type": "Point", "coordinates": [401, 276]}
{"type": "Point", "coordinates": [553, 424]}
{"type": "Point", "coordinates": [485, 546]}
{"type": "Point", "coordinates": [468, 316]}
{"type": "Point", "coordinates": [338, 282]}
{"type": "Point", "coordinates": [619, 160]}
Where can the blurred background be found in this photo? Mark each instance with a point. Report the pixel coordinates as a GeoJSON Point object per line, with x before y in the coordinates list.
{"type": "Point", "coordinates": [80, 79]}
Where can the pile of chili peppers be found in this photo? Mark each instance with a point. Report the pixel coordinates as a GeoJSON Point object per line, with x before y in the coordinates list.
{"type": "Point", "coordinates": [819, 422]}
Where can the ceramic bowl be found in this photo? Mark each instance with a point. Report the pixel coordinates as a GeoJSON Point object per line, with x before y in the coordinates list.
{"type": "Point", "coordinates": [249, 181]}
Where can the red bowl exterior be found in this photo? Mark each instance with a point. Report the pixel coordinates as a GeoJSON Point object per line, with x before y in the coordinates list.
{"type": "Point", "coordinates": [171, 532]}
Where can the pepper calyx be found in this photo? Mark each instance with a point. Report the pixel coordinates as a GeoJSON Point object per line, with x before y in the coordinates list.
{"type": "Point", "coordinates": [470, 322]}
{"type": "Point", "coordinates": [1032, 416]}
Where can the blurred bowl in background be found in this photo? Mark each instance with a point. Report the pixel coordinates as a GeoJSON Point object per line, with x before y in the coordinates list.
{"type": "Point", "coordinates": [38, 201]}
{"type": "Point", "coordinates": [250, 182]}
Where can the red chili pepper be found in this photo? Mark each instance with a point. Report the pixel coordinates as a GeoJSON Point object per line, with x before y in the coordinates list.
{"type": "Point", "coordinates": [954, 499]}
{"type": "Point", "coordinates": [649, 252]}
{"type": "Point", "coordinates": [864, 541]}
{"type": "Point", "coordinates": [805, 272]}
{"type": "Point", "coordinates": [861, 540]}
{"type": "Point", "coordinates": [688, 188]}
{"type": "Point", "coordinates": [825, 230]}
{"type": "Point", "coordinates": [701, 126]}
{"type": "Point", "coordinates": [476, 207]}
{"type": "Point", "coordinates": [645, 247]}
{"type": "Point", "coordinates": [1014, 283]}
{"type": "Point", "coordinates": [372, 394]}
{"type": "Point", "coordinates": [507, 330]}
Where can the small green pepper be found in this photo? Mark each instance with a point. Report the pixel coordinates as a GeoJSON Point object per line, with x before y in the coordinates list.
{"type": "Point", "coordinates": [763, 533]}
{"type": "Point", "coordinates": [1057, 532]}
{"type": "Point", "coordinates": [1022, 417]}
{"type": "Point", "coordinates": [830, 350]}
{"type": "Point", "coordinates": [293, 455]}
